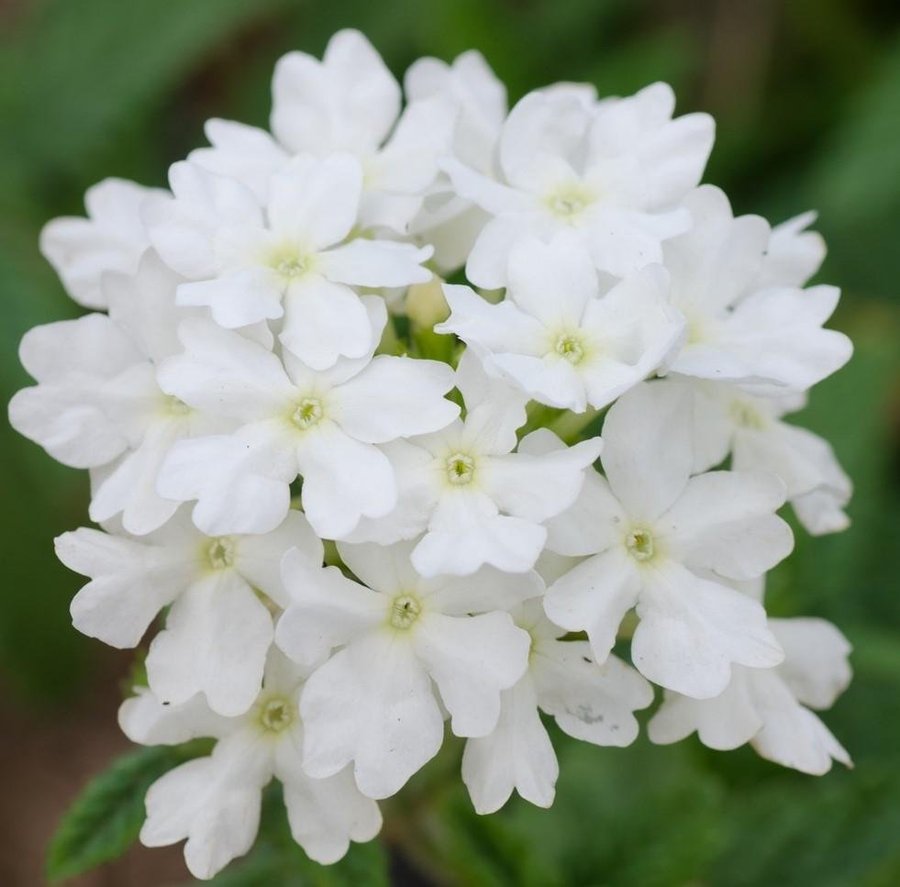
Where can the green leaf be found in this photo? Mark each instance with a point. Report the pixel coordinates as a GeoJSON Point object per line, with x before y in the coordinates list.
{"type": "Point", "coordinates": [106, 819]}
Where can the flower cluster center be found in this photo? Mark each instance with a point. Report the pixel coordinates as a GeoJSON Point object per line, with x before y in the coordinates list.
{"type": "Point", "coordinates": [221, 553]}
{"type": "Point", "coordinates": [277, 714]}
{"type": "Point", "coordinates": [460, 469]}
{"type": "Point", "coordinates": [307, 413]}
{"type": "Point", "coordinates": [405, 610]}
{"type": "Point", "coordinates": [640, 544]}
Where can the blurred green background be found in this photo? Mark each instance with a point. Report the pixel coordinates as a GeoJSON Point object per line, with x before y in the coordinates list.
{"type": "Point", "coordinates": [807, 99]}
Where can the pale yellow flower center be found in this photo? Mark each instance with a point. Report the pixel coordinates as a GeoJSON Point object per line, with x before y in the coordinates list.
{"type": "Point", "coordinates": [405, 610]}
{"type": "Point", "coordinates": [640, 545]}
{"type": "Point", "coordinates": [276, 714]}
{"type": "Point", "coordinates": [570, 348]}
{"type": "Point", "coordinates": [460, 469]}
{"type": "Point", "coordinates": [220, 553]}
{"type": "Point", "coordinates": [307, 413]}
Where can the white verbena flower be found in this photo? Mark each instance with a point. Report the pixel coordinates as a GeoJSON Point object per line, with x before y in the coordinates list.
{"type": "Point", "coordinates": [744, 325]}
{"type": "Point", "coordinates": [406, 649]}
{"type": "Point", "coordinates": [591, 702]}
{"type": "Point", "coordinates": [556, 337]}
{"type": "Point", "coordinates": [347, 102]}
{"type": "Point", "coordinates": [447, 221]}
{"type": "Point", "coordinates": [111, 238]}
{"type": "Point", "coordinates": [476, 500]}
{"type": "Point", "coordinates": [770, 708]}
{"type": "Point", "coordinates": [613, 171]}
{"type": "Point", "coordinates": [296, 257]}
{"type": "Point", "coordinates": [658, 540]}
{"type": "Point", "coordinates": [289, 421]}
{"type": "Point", "coordinates": [219, 626]}
{"type": "Point", "coordinates": [729, 420]}
{"type": "Point", "coordinates": [214, 801]}
{"type": "Point", "coordinates": [98, 405]}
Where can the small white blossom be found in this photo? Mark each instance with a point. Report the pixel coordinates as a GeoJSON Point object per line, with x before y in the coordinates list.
{"type": "Point", "coordinates": [214, 801]}
{"type": "Point", "coordinates": [218, 629]}
{"type": "Point", "coordinates": [296, 257]}
{"type": "Point", "coordinates": [613, 171]}
{"type": "Point", "coordinates": [659, 540]}
{"type": "Point", "coordinates": [406, 649]}
{"type": "Point", "coordinates": [589, 702]}
{"type": "Point", "coordinates": [348, 102]}
{"type": "Point", "coordinates": [729, 420]}
{"type": "Point", "coordinates": [111, 238]}
{"type": "Point", "coordinates": [98, 405]}
{"type": "Point", "coordinates": [556, 337]}
{"type": "Point", "coordinates": [290, 421]}
{"type": "Point", "coordinates": [770, 708]}
{"type": "Point", "coordinates": [744, 325]}
{"type": "Point", "coordinates": [476, 500]}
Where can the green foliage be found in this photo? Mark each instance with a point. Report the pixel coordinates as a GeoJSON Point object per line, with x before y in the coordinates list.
{"type": "Point", "coordinates": [106, 818]}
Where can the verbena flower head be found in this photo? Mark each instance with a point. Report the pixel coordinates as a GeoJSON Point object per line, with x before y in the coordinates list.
{"type": "Point", "coordinates": [592, 456]}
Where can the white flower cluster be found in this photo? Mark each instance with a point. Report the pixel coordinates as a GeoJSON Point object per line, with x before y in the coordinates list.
{"type": "Point", "coordinates": [241, 392]}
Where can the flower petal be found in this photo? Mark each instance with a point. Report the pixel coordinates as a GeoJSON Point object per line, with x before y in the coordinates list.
{"type": "Point", "coordinates": [130, 583]}
{"type": "Point", "coordinates": [394, 397]}
{"type": "Point", "coordinates": [466, 531]}
{"type": "Point", "coordinates": [315, 201]}
{"type": "Point", "coordinates": [374, 263]}
{"type": "Point", "coordinates": [516, 756]}
{"type": "Point", "coordinates": [471, 659]}
{"type": "Point", "coordinates": [725, 722]}
{"type": "Point", "coordinates": [537, 487]}
{"type": "Point", "coordinates": [214, 802]}
{"type": "Point", "coordinates": [594, 596]}
{"type": "Point", "coordinates": [815, 663]}
{"type": "Point", "coordinates": [791, 734]}
{"type": "Point", "coordinates": [128, 486]}
{"type": "Point", "coordinates": [241, 152]}
{"type": "Point", "coordinates": [692, 630]}
{"type": "Point", "coordinates": [327, 610]}
{"type": "Point", "coordinates": [215, 642]}
{"type": "Point", "coordinates": [237, 298]}
{"type": "Point", "coordinates": [372, 704]}
{"type": "Point", "coordinates": [647, 452]}
{"type": "Point", "coordinates": [724, 521]}
{"type": "Point", "coordinates": [82, 250]}
{"type": "Point", "coordinates": [343, 480]}
{"type": "Point", "coordinates": [553, 282]}
{"type": "Point", "coordinates": [225, 374]}
{"type": "Point", "coordinates": [589, 701]}
{"type": "Point", "coordinates": [258, 556]}
{"type": "Point", "coordinates": [240, 481]}
{"type": "Point", "coordinates": [347, 101]}
{"type": "Point", "coordinates": [144, 719]}
{"type": "Point", "coordinates": [325, 321]}
{"type": "Point", "coordinates": [326, 814]}
{"type": "Point", "coordinates": [593, 523]}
